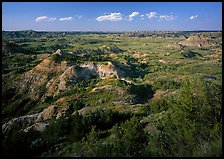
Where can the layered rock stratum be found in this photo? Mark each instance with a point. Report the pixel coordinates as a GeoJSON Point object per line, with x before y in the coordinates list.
{"type": "Point", "coordinates": [49, 78]}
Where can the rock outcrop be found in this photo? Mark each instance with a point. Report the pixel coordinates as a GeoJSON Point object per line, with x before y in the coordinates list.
{"type": "Point", "coordinates": [36, 121]}
{"type": "Point", "coordinates": [198, 41]}
{"type": "Point", "coordinates": [103, 70]}
{"type": "Point", "coordinates": [34, 82]}
{"type": "Point", "coordinates": [59, 52]}
{"type": "Point", "coordinates": [49, 78]}
{"type": "Point", "coordinates": [25, 122]}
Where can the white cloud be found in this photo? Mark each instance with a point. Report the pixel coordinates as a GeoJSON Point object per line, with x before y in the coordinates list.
{"type": "Point", "coordinates": [166, 17]}
{"type": "Point", "coordinates": [79, 17]}
{"type": "Point", "coordinates": [142, 15]}
{"type": "Point", "coordinates": [110, 17]}
{"type": "Point", "coordinates": [193, 17]}
{"type": "Point", "coordinates": [66, 19]}
{"type": "Point", "coordinates": [133, 14]}
{"type": "Point", "coordinates": [152, 15]}
{"type": "Point", "coordinates": [44, 18]}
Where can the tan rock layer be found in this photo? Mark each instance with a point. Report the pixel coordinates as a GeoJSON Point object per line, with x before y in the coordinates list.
{"type": "Point", "coordinates": [49, 78]}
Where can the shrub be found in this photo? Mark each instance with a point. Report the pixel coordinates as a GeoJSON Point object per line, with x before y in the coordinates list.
{"type": "Point", "coordinates": [128, 138]}
{"type": "Point", "coordinates": [190, 123]}
{"type": "Point", "coordinates": [142, 92]}
{"type": "Point", "coordinates": [56, 58]}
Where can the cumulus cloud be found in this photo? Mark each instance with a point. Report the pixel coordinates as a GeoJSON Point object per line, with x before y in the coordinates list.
{"type": "Point", "coordinates": [142, 15]}
{"type": "Point", "coordinates": [44, 18]}
{"type": "Point", "coordinates": [110, 17]}
{"type": "Point", "coordinates": [152, 15]}
{"type": "Point", "coordinates": [133, 14]}
{"type": "Point", "coordinates": [66, 19]}
{"type": "Point", "coordinates": [166, 17]}
{"type": "Point", "coordinates": [193, 17]}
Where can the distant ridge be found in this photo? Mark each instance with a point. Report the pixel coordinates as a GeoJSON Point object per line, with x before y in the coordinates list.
{"type": "Point", "coordinates": [34, 31]}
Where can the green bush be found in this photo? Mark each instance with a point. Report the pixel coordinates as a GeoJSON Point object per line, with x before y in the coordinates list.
{"type": "Point", "coordinates": [142, 92]}
{"type": "Point", "coordinates": [77, 105]}
{"type": "Point", "coordinates": [128, 138]}
{"type": "Point", "coordinates": [56, 58]}
{"type": "Point", "coordinates": [19, 143]}
{"type": "Point", "coordinates": [104, 119]}
{"type": "Point", "coordinates": [191, 123]}
{"type": "Point", "coordinates": [159, 105]}
{"type": "Point", "coordinates": [166, 84]}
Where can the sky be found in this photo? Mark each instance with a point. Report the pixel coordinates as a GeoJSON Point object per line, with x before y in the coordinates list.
{"type": "Point", "coordinates": [111, 16]}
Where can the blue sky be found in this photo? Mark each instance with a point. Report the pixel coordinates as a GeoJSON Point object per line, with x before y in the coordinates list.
{"type": "Point", "coordinates": [111, 16]}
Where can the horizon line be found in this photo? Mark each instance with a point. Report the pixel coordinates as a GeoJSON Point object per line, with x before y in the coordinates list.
{"type": "Point", "coordinates": [114, 31]}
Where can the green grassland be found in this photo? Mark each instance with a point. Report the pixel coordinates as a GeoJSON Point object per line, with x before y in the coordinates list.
{"type": "Point", "coordinates": [171, 107]}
